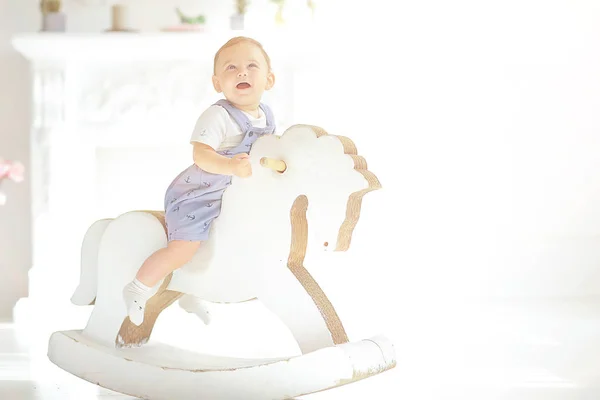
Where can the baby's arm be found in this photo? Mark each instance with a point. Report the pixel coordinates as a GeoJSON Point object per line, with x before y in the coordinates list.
{"type": "Point", "coordinates": [209, 160]}
{"type": "Point", "coordinates": [208, 135]}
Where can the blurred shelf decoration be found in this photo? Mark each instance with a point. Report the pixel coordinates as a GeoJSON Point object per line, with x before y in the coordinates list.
{"type": "Point", "coordinates": [294, 14]}
{"type": "Point", "coordinates": [53, 20]}
{"type": "Point", "coordinates": [312, 6]}
{"type": "Point", "coordinates": [279, 18]}
{"type": "Point", "coordinates": [237, 19]}
{"type": "Point", "coordinates": [187, 23]}
{"type": "Point", "coordinates": [9, 170]}
{"type": "Point", "coordinates": [121, 18]}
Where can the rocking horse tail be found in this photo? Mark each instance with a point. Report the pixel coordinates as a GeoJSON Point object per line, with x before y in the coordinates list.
{"type": "Point", "coordinates": [85, 294]}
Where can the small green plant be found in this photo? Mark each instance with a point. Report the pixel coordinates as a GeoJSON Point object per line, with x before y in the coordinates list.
{"type": "Point", "coordinates": [199, 19]}
{"type": "Point", "coordinates": [50, 6]}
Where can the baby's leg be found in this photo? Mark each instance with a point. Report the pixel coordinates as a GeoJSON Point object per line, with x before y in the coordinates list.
{"type": "Point", "coordinates": [166, 260]}
{"type": "Point", "coordinates": [155, 268]}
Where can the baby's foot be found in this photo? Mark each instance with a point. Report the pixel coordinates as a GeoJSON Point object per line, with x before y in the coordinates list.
{"type": "Point", "coordinates": [135, 295]}
{"type": "Point", "coordinates": [195, 305]}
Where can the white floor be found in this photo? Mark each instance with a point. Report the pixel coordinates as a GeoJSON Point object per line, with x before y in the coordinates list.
{"type": "Point", "coordinates": [479, 350]}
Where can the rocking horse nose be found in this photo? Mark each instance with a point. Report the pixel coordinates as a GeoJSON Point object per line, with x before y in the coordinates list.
{"type": "Point", "coordinates": [274, 164]}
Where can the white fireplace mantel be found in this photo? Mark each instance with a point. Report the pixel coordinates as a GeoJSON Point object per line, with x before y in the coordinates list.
{"type": "Point", "coordinates": [132, 90]}
{"type": "Point", "coordinates": [115, 78]}
{"type": "Point", "coordinates": [111, 121]}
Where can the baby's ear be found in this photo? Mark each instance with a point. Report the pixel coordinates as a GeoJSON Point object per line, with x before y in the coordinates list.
{"type": "Point", "coordinates": [216, 84]}
{"type": "Point", "coordinates": [270, 80]}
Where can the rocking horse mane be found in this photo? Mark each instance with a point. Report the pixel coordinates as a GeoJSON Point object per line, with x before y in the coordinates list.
{"type": "Point", "coordinates": [354, 204]}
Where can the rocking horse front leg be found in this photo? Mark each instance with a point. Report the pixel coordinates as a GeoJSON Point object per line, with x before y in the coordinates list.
{"type": "Point", "coordinates": [127, 241]}
{"type": "Point", "coordinates": [298, 299]}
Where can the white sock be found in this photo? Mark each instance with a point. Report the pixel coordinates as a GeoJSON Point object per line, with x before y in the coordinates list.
{"type": "Point", "coordinates": [135, 295]}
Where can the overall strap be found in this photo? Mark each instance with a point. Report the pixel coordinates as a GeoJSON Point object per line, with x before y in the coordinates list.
{"type": "Point", "coordinates": [236, 114]}
{"type": "Point", "coordinates": [270, 125]}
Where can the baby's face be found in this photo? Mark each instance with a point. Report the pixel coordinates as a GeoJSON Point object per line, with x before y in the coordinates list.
{"type": "Point", "coordinates": [242, 74]}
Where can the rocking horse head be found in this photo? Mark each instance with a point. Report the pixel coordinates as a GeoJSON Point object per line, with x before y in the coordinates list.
{"type": "Point", "coordinates": [306, 179]}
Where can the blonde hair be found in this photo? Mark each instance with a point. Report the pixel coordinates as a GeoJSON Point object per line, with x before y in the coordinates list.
{"type": "Point", "coordinates": [238, 40]}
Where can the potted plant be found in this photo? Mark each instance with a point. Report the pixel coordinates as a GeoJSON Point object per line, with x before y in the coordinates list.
{"type": "Point", "coordinates": [237, 19]}
{"type": "Point", "coordinates": [53, 20]}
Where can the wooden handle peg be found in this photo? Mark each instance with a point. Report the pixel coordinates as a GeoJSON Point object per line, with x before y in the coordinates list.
{"type": "Point", "coordinates": [274, 164]}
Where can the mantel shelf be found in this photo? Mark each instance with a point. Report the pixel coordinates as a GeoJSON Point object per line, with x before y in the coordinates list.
{"type": "Point", "coordinates": [62, 48]}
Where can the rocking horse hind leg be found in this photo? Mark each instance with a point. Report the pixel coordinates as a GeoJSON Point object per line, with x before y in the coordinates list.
{"type": "Point", "coordinates": [85, 294]}
{"type": "Point", "coordinates": [124, 245]}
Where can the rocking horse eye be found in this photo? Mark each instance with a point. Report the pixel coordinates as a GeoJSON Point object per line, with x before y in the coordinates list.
{"type": "Point", "coordinates": [326, 244]}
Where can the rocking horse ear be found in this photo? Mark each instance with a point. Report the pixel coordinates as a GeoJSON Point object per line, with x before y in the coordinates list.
{"type": "Point", "coordinates": [216, 84]}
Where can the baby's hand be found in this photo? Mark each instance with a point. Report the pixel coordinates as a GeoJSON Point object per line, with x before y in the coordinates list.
{"type": "Point", "coordinates": [240, 165]}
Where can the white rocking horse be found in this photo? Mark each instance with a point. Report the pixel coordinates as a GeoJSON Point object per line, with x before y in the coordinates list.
{"type": "Point", "coordinates": [257, 247]}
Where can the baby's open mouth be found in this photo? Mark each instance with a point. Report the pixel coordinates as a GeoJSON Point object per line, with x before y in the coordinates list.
{"type": "Point", "coordinates": [243, 85]}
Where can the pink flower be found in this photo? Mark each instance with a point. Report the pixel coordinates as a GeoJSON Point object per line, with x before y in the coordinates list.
{"type": "Point", "coordinates": [11, 170]}
{"type": "Point", "coordinates": [17, 171]}
{"type": "Point", "coordinates": [4, 168]}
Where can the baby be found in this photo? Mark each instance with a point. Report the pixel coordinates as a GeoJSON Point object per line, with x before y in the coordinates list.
{"type": "Point", "coordinates": [222, 138]}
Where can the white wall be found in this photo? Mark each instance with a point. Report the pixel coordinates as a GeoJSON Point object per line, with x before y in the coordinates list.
{"type": "Point", "coordinates": [15, 231]}
{"type": "Point", "coordinates": [479, 120]}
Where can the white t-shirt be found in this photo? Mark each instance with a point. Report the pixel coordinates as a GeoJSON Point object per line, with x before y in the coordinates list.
{"type": "Point", "coordinates": [217, 129]}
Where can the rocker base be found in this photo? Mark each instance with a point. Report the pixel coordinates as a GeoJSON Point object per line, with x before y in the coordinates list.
{"type": "Point", "coordinates": [157, 371]}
